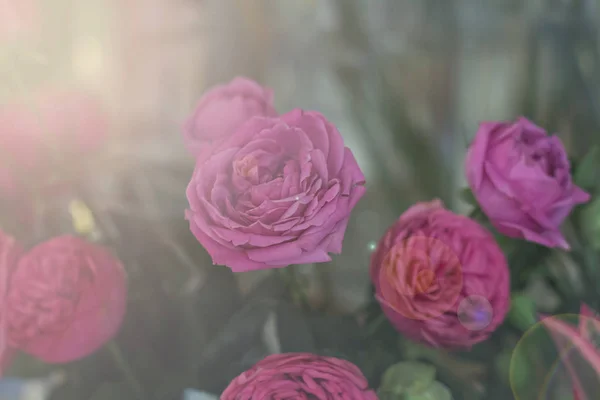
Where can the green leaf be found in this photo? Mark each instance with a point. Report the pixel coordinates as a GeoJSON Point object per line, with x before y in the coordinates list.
{"type": "Point", "coordinates": [522, 314]}
{"type": "Point", "coordinates": [585, 174]}
{"type": "Point", "coordinates": [407, 377]}
{"type": "Point", "coordinates": [467, 196]}
{"type": "Point", "coordinates": [435, 391]}
{"type": "Point", "coordinates": [519, 369]}
{"type": "Point", "coordinates": [590, 223]}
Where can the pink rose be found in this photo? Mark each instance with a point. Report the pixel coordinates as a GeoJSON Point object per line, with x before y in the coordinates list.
{"type": "Point", "coordinates": [223, 109]}
{"type": "Point", "coordinates": [278, 192]}
{"type": "Point", "coordinates": [10, 251]}
{"type": "Point", "coordinates": [66, 299]}
{"type": "Point", "coordinates": [521, 178]}
{"type": "Point", "coordinates": [440, 278]}
{"type": "Point", "coordinates": [300, 376]}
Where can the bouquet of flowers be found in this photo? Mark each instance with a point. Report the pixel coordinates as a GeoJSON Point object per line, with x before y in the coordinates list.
{"type": "Point", "coordinates": [269, 191]}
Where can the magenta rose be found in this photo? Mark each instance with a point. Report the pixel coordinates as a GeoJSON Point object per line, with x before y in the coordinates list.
{"type": "Point", "coordinates": [66, 298]}
{"type": "Point", "coordinates": [440, 277]}
{"type": "Point", "coordinates": [223, 109]}
{"type": "Point", "coordinates": [278, 192]}
{"type": "Point", "coordinates": [10, 251]}
{"type": "Point", "coordinates": [521, 178]}
{"type": "Point", "coordinates": [300, 376]}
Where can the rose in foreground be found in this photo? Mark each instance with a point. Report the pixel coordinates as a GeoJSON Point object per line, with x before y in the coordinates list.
{"type": "Point", "coordinates": [300, 376]}
{"type": "Point", "coordinates": [521, 178]}
{"type": "Point", "coordinates": [10, 251]}
{"type": "Point", "coordinates": [431, 271]}
{"type": "Point", "coordinates": [223, 109]}
{"type": "Point", "coordinates": [278, 192]}
{"type": "Point", "coordinates": [66, 298]}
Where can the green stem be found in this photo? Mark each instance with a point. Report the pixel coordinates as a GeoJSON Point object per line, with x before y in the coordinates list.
{"type": "Point", "coordinates": [375, 325]}
{"type": "Point", "coordinates": [295, 285]}
{"type": "Point", "coordinates": [125, 368]}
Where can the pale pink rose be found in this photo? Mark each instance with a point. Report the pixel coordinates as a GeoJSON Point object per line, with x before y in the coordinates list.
{"type": "Point", "coordinates": [222, 110]}
{"type": "Point", "coordinates": [300, 376]}
{"type": "Point", "coordinates": [440, 277]}
{"type": "Point", "coordinates": [10, 251]}
{"type": "Point", "coordinates": [66, 298]}
{"type": "Point", "coordinates": [278, 192]}
{"type": "Point", "coordinates": [521, 178]}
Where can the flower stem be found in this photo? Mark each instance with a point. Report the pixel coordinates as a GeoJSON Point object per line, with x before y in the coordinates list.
{"type": "Point", "coordinates": [125, 368]}
{"type": "Point", "coordinates": [295, 286]}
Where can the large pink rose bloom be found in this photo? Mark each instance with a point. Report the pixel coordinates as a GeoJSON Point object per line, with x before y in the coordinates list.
{"type": "Point", "coordinates": [521, 178]}
{"type": "Point", "coordinates": [223, 109]}
{"type": "Point", "coordinates": [10, 251]}
{"type": "Point", "coordinates": [300, 376]}
{"type": "Point", "coordinates": [66, 299]}
{"type": "Point", "coordinates": [440, 277]}
{"type": "Point", "coordinates": [278, 192]}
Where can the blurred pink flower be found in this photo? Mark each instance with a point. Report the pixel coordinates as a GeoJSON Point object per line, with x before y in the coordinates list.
{"type": "Point", "coordinates": [278, 192]}
{"type": "Point", "coordinates": [440, 278]}
{"type": "Point", "coordinates": [300, 376]}
{"type": "Point", "coordinates": [521, 178]}
{"type": "Point", "coordinates": [66, 299]}
{"type": "Point", "coordinates": [49, 138]}
{"type": "Point", "coordinates": [223, 109]}
{"type": "Point", "coordinates": [10, 251]}
{"type": "Point", "coordinates": [73, 122]}
{"type": "Point", "coordinates": [18, 18]}
{"type": "Point", "coordinates": [581, 340]}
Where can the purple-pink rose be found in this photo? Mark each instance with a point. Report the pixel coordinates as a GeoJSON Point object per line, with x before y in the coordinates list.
{"type": "Point", "coordinates": [222, 110]}
{"type": "Point", "coordinates": [278, 192]}
{"type": "Point", "coordinates": [521, 178]}
{"type": "Point", "coordinates": [300, 376]}
{"type": "Point", "coordinates": [440, 277]}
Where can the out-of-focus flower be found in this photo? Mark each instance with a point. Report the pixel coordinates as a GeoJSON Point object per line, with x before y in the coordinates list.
{"type": "Point", "coordinates": [18, 18]}
{"type": "Point", "coordinates": [522, 180]}
{"type": "Point", "coordinates": [278, 192]}
{"type": "Point", "coordinates": [581, 341]}
{"type": "Point", "coordinates": [301, 376]}
{"type": "Point", "coordinates": [10, 251]}
{"type": "Point", "coordinates": [47, 137]}
{"type": "Point", "coordinates": [66, 298]}
{"type": "Point", "coordinates": [223, 109]}
{"type": "Point", "coordinates": [440, 278]}
{"type": "Point", "coordinates": [73, 122]}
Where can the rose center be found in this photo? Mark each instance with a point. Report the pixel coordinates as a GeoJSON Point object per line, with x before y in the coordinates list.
{"type": "Point", "coordinates": [424, 280]}
{"type": "Point", "coordinates": [246, 167]}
